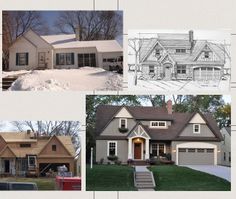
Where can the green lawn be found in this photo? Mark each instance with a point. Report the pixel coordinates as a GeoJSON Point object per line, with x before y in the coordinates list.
{"type": "Point", "coordinates": [109, 178]}
{"type": "Point", "coordinates": [174, 178]}
{"type": "Point", "coordinates": [43, 183]}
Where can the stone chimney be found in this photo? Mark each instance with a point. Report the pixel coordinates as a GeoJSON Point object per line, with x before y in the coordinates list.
{"type": "Point", "coordinates": [77, 33]}
{"type": "Point", "coordinates": [169, 107]}
{"type": "Point", "coordinates": [191, 39]}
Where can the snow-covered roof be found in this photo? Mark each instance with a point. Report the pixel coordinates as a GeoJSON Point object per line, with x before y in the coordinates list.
{"type": "Point", "coordinates": [69, 41]}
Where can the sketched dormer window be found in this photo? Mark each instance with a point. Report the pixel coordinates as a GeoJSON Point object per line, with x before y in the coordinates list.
{"type": "Point", "coordinates": [180, 50]}
{"type": "Point", "coordinates": [207, 54]}
{"type": "Point", "coordinates": [158, 124]}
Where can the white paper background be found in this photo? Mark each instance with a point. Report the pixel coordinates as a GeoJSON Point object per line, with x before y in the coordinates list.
{"type": "Point", "coordinates": [138, 14]}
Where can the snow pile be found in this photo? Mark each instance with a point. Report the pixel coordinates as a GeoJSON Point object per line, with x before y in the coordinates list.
{"type": "Point", "coordinates": [14, 73]}
{"type": "Point", "coordinates": [86, 79]}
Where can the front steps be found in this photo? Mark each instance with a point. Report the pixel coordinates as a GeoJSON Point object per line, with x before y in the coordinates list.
{"type": "Point", "coordinates": [7, 82]}
{"type": "Point", "coordinates": [144, 180]}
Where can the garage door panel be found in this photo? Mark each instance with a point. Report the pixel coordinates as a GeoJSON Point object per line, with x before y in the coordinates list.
{"type": "Point", "coordinates": [196, 156]}
{"type": "Point", "coordinates": [206, 73]}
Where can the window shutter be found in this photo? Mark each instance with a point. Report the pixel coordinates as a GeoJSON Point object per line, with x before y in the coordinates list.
{"type": "Point", "coordinates": [27, 58]}
{"type": "Point", "coordinates": [72, 59]}
{"type": "Point", "coordinates": [17, 59]}
{"type": "Point", "coordinates": [57, 59]}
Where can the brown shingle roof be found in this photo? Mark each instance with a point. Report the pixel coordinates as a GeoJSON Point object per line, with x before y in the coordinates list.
{"type": "Point", "coordinates": [105, 114]}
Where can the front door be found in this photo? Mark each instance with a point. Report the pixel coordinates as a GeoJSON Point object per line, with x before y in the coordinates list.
{"type": "Point", "coordinates": [42, 56]}
{"type": "Point", "coordinates": [137, 151]}
{"type": "Point", "coordinates": [6, 166]}
{"type": "Point", "coordinates": [167, 73]}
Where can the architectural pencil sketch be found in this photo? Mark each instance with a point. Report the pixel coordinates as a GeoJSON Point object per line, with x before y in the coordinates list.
{"type": "Point", "coordinates": [179, 61]}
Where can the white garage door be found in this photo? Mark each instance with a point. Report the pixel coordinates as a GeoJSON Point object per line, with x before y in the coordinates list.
{"type": "Point", "coordinates": [196, 156]}
{"type": "Point", "coordinates": [206, 73]}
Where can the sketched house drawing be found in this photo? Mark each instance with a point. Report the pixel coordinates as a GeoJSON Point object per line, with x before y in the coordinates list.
{"type": "Point", "coordinates": [172, 56]}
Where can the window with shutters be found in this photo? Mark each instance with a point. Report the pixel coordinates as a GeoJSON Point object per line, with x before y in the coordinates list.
{"type": "Point", "coordinates": [22, 59]}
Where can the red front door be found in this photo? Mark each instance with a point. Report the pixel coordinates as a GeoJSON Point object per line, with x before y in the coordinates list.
{"type": "Point", "coordinates": [137, 151]}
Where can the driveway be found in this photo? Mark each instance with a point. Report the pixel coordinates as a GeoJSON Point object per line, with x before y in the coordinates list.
{"type": "Point", "coordinates": [220, 171]}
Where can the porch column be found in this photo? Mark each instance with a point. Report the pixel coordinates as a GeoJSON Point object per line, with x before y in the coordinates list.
{"type": "Point", "coordinates": [52, 61]}
{"type": "Point", "coordinates": [130, 149]}
{"type": "Point", "coordinates": [147, 149]}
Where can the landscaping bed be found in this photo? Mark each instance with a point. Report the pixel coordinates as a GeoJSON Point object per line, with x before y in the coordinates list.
{"type": "Point", "coordinates": [175, 178]}
{"type": "Point", "coordinates": [110, 178]}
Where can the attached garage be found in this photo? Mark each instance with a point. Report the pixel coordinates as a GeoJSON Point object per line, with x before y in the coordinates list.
{"type": "Point", "coordinates": [206, 73]}
{"type": "Point", "coordinates": [196, 153]}
{"type": "Point", "coordinates": [196, 156]}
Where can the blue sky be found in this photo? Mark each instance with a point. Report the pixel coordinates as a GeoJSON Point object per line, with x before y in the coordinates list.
{"type": "Point", "coordinates": [51, 16]}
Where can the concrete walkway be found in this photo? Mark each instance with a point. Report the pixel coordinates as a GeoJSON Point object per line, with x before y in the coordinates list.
{"type": "Point", "coordinates": [141, 169]}
{"type": "Point", "coordinates": [219, 171]}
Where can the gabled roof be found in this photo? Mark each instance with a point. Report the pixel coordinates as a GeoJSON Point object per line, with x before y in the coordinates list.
{"type": "Point", "coordinates": [37, 143]}
{"type": "Point", "coordinates": [179, 121]}
{"type": "Point", "coordinates": [63, 41]}
{"type": "Point", "coordinates": [5, 149]}
{"type": "Point", "coordinates": [173, 40]}
{"type": "Point", "coordinates": [105, 113]}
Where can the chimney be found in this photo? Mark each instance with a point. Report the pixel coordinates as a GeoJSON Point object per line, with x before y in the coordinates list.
{"type": "Point", "coordinates": [77, 33]}
{"type": "Point", "coordinates": [191, 40]}
{"type": "Point", "coordinates": [169, 106]}
{"type": "Point", "coordinates": [28, 132]}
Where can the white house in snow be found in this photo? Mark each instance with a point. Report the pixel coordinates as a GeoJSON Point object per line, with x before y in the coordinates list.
{"type": "Point", "coordinates": [33, 51]}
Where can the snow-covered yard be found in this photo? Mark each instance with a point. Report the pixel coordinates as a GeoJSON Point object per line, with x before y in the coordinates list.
{"type": "Point", "coordinates": [177, 85]}
{"type": "Point", "coordinates": [83, 79]}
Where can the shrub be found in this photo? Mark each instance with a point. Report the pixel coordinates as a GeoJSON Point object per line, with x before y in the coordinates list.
{"type": "Point", "coordinates": [123, 130]}
{"type": "Point", "coordinates": [112, 158]}
{"type": "Point", "coordinates": [101, 161]}
{"type": "Point", "coordinates": [118, 162]}
{"type": "Point", "coordinates": [155, 161]}
{"type": "Point", "coordinates": [130, 161]}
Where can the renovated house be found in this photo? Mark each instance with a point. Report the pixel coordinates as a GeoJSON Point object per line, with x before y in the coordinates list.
{"type": "Point", "coordinates": [171, 56]}
{"type": "Point", "coordinates": [226, 146]}
{"type": "Point", "coordinates": [27, 153]}
{"type": "Point", "coordinates": [33, 51]}
{"type": "Point", "coordinates": [140, 133]}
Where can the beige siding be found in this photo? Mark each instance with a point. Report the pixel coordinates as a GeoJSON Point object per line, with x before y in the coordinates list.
{"type": "Point", "coordinates": [175, 143]}
{"type": "Point", "coordinates": [204, 131]}
{"type": "Point", "coordinates": [225, 148]}
{"type": "Point", "coordinates": [122, 150]}
{"type": "Point", "coordinates": [113, 127]}
{"type": "Point", "coordinates": [32, 45]}
{"type": "Point", "coordinates": [23, 46]}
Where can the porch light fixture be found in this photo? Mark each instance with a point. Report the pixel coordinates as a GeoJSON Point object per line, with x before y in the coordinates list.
{"type": "Point", "coordinates": [174, 151]}
{"type": "Point", "coordinates": [218, 151]}
{"type": "Point", "coordinates": [138, 140]}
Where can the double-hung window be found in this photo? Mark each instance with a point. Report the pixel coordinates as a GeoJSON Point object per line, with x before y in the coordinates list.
{"type": "Point", "coordinates": [181, 69]}
{"type": "Point", "coordinates": [196, 128]}
{"type": "Point", "coordinates": [111, 148]}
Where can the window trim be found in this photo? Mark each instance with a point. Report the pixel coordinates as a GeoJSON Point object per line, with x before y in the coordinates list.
{"type": "Point", "coordinates": [151, 126]}
{"type": "Point", "coordinates": [35, 160]}
{"type": "Point", "coordinates": [108, 147]}
{"type": "Point", "coordinates": [125, 122]}
{"type": "Point", "coordinates": [55, 147]}
{"type": "Point", "coordinates": [26, 57]}
{"type": "Point", "coordinates": [180, 50]}
{"type": "Point", "coordinates": [199, 129]}
{"type": "Point", "coordinates": [66, 58]}
{"type": "Point", "coordinates": [181, 69]}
